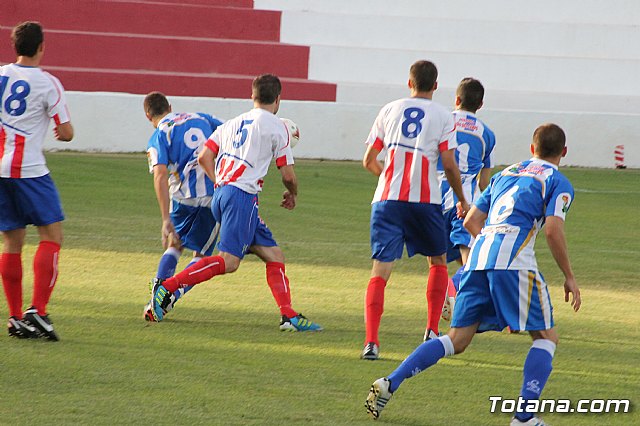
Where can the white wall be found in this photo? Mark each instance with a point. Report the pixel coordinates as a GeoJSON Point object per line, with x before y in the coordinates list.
{"type": "Point", "coordinates": [109, 122]}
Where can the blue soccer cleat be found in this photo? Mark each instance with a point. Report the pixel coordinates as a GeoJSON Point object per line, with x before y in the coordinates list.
{"type": "Point", "coordinates": [298, 323]}
{"type": "Point", "coordinates": [161, 299]}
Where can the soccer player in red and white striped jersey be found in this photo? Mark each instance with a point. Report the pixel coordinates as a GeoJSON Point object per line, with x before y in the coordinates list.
{"type": "Point", "coordinates": [29, 99]}
{"type": "Point", "coordinates": [406, 209]}
{"type": "Point", "coordinates": [237, 158]}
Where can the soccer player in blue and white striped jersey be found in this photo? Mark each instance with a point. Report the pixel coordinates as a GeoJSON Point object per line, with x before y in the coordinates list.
{"type": "Point", "coordinates": [183, 190]}
{"type": "Point", "coordinates": [501, 286]}
{"type": "Point", "coordinates": [474, 155]}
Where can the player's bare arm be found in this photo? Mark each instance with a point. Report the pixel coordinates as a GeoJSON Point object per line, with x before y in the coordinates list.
{"type": "Point", "coordinates": [452, 172]}
{"type": "Point", "coordinates": [161, 186]}
{"type": "Point", "coordinates": [484, 178]}
{"type": "Point", "coordinates": [554, 231]}
{"type": "Point", "coordinates": [290, 181]}
{"type": "Point", "coordinates": [370, 161]}
{"type": "Point", "coordinates": [64, 131]}
{"type": "Point", "coordinates": [207, 160]}
{"type": "Point", "coordinates": [474, 221]}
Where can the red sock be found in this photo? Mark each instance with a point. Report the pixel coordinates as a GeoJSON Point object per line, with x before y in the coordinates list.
{"type": "Point", "coordinates": [203, 270]}
{"type": "Point", "coordinates": [436, 292]}
{"type": "Point", "coordinates": [11, 271]}
{"type": "Point", "coordinates": [45, 274]}
{"type": "Point", "coordinates": [374, 308]}
{"type": "Point", "coordinates": [279, 285]}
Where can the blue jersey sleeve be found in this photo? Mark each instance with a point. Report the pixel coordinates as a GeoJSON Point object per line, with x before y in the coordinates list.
{"type": "Point", "coordinates": [158, 149]}
{"type": "Point", "coordinates": [559, 197]}
{"type": "Point", "coordinates": [213, 121]}
{"type": "Point", "coordinates": [490, 143]}
{"type": "Point", "coordinates": [484, 201]}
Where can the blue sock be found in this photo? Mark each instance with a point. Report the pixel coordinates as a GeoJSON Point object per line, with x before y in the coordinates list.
{"type": "Point", "coordinates": [183, 290]}
{"type": "Point", "coordinates": [168, 263]}
{"type": "Point", "coordinates": [537, 368]}
{"type": "Point", "coordinates": [456, 278]}
{"type": "Point", "coordinates": [423, 357]}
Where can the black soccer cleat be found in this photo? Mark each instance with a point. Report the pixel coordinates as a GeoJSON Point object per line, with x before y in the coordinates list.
{"type": "Point", "coordinates": [41, 323]}
{"type": "Point", "coordinates": [17, 328]}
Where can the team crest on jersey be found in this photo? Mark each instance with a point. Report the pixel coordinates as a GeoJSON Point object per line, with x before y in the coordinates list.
{"type": "Point", "coordinates": [565, 203]}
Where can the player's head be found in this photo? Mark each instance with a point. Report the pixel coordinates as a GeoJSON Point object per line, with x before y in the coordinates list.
{"type": "Point", "coordinates": [423, 77]}
{"type": "Point", "coordinates": [549, 142]}
{"type": "Point", "coordinates": [27, 38]}
{"type": "Point", "coordinates": [156, 106]}
{"type": "Point", "coordinates": [265, 90]}
{"type": "Point", "coordinates": [469, 94]}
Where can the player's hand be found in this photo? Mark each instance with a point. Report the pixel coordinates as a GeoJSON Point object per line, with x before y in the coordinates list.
{"type": "Point", "coordinates": [168, 234]}
{"type": "Point", "coordinates": [570, 286]}
{"type": "Point", "coordinates": [462, 208]}
{"type": "Point", "coordinates": [288, 200]}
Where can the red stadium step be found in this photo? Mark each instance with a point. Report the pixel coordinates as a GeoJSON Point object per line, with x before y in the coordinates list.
{"type": "Point", "coordinates": [224, 3]}
{"type": "Point", "coordinates": [184, 84]}
{"type": "Point", "coordinates": [146, 18]}
{"type": "Point", "coordinates": [168, 54]}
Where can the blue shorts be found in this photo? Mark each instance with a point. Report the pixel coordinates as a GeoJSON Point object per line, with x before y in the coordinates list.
{"type": "Point", "coordinates": [395, 224]}
{"type": "Point", "coordinates": [500, 298]}
{"type": "Point", "coordinates": [195, 225]}
{"type": "Point", "coordinates": [240, 224]}
{"type": "Point", "coordinates": [458, 235]}
{"type": "Point", "coordinates": [29, 201]}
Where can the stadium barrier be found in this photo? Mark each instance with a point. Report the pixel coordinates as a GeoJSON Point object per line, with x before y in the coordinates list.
{"type": "Point", "coordinates": [114, 122]}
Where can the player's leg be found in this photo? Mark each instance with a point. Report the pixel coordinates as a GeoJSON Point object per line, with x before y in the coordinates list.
{"type": "Point", "coordinates": [374, 307]}
{"type": "Point", "coordinates": [236, 211]}
{"type": "Point", "coordinates": [475, 304]}
{"type": "Point", "coordinates": [265, 247]}
{"type": "Point", "coordinates": [40, 204]}
{"type": "Point", "coordinates": [529, 308]}
{"type": "Point", "coordinates": [11, 274]}
{"type": "Point", "coordinates": [437, 287]}
{"type": "Point", "coordinates": [387, 244]}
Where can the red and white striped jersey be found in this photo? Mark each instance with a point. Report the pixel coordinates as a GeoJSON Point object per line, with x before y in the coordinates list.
{"type": "Point", "coordinates": [245, 147]}
{"type": "Point", "coordinates": [413, 132]}
{"type": "Point", "coordinates": [29, 98]}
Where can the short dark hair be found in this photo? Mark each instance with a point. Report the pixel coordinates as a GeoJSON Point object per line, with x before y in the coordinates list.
{"type": "Point", "coordinates": [27, 38]}
{"type": "Point", "coordinates": [548, 140]}
{"type": "Point", "coordinates": [423, 75]}
{"type": "Point", "coordinates": [156, 104]}
{"type": "Point", "coordinates": [266, 88]}
{"type": "Point", "coordinates": [471, 93]}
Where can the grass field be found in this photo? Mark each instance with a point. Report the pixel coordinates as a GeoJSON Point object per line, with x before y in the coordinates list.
{"type": "Point", "coordinates": [219, 358]}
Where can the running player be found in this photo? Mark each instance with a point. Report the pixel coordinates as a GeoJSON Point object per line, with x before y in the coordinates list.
{"type": "Point", "coordinates": [29, 99]}
{"type": "Point", "coordinates": [501, 285]}
{"type": "Point", "coordinates": [183, 190]}
{"type": "Point", "coordinates": [474, 156]}
{"type": "Point", "coordinates": [407, 205]}
{"type": "Point", "coordinates": [237, 157]}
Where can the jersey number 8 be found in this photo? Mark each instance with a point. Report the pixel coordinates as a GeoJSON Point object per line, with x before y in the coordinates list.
{"type": "Point", "coordinates": [16, 103]}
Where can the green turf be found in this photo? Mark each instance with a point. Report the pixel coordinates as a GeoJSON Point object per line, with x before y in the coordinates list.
{"type": "Point", "coordinates": [219, 357]}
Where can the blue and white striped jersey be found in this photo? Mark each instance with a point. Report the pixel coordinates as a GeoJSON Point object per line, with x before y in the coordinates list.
{"type": "Point", "coordinates": [176, 142]}
{"type": "Point", "coordinates": [517, 201]}
{"type": "Point", "coordinates": [475, 152]}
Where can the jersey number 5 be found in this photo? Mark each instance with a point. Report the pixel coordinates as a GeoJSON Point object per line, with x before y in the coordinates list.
{"type": "Point", "coordinates": [15, 104]}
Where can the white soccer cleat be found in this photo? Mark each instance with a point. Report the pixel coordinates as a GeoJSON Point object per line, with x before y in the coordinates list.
{"type": "Point", "coordinates": [379, 396]}
{"type": "Point", "coordinates": [429, 334]}
{"type": "Point", "coordinates": [534, 421]}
